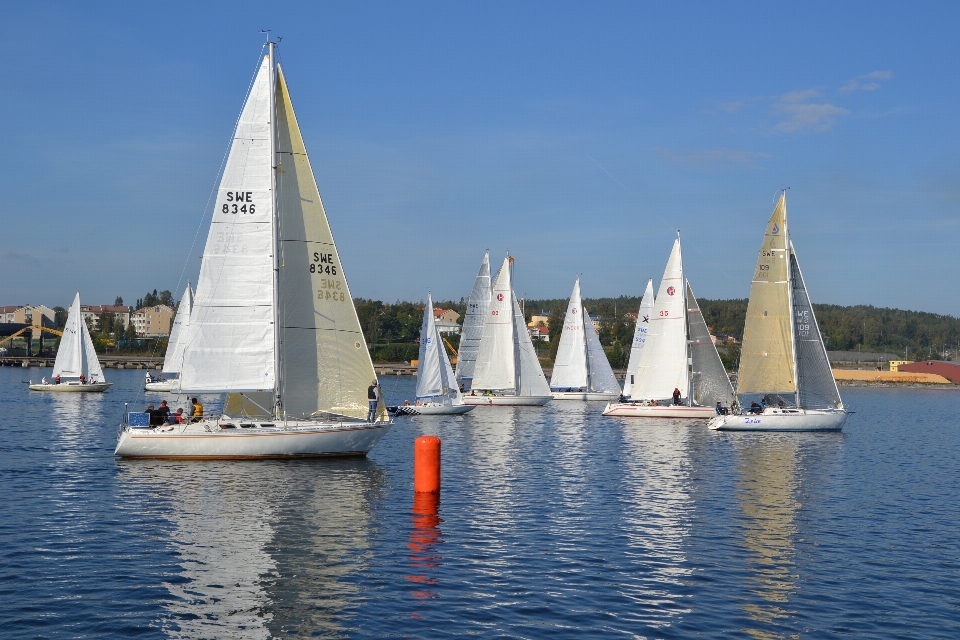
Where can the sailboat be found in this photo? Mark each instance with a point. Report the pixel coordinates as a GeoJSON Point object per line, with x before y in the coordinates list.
{"type": "Point", "coordinates": [76, 365]}
{"type": "Point", "coordinates": [437, 390]}
{"type": "Point", "coordinates": [473, 322]}
{"type": "Point", "coordinates": [273, 323]}
{"type": "Point", "coordinates": [783, 356]}
{"type": "Point", "coordinates": [170, 375]}
{"type": "Point", "coordinates": [581, 370]}
{"type": "Point", "coordinates": [678, 355]}
{"type": "Point", "coordinates": [507, 369]}
{"type": "Point", "coordinates": [639, 338]}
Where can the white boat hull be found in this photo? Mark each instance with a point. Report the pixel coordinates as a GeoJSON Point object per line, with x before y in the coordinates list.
{"type": "Point", "coordinates": [584, 395]}
{"type": "Point", "coordinates": [782, 420]}
{"type": "Point", "coordinates": [629, 410]}
{"type": "Point", "coordinates": [433, 410]}
{"type": "Point", "coordinates": [507, 401]}
{"type": "Point", "coordinates": [167, 385]}
{"type": "Point", "coordinates": [207, 440]}
{"type": "Point", "coordinates": [72, 387]}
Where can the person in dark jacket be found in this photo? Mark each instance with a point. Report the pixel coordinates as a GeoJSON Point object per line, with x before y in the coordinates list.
{"type": "Point", "coordinates": [373, 397]}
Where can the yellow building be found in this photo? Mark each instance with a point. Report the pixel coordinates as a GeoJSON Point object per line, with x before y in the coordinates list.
{"type": "Point", "coordinates": [895, 364]}
{"type": "Point", "coordinates": [152, 322]}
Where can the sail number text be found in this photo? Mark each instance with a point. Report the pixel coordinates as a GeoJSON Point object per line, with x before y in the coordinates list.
{"type": "Point", "coordinates": [331, 290]}
{"type": "Point", "coordinates": [323, 263]}
{"type": "Point", "coordinates": [239, 202]}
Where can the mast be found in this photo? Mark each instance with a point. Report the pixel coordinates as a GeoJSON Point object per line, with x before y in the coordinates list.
{"type": "Point", "coordinates": [686, 333]}
{"type": "Point", "coordinates": [272, 84]}
{"type": "Point", "coordinates": [793, 320]}
{"type": "Point", "coordinates": [516, 335]}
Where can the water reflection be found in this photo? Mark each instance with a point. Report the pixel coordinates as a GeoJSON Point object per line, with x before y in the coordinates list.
{"type": "Point", "coordinates": [425, 539]}
{"type": "Point", "coordinates": [765, 489]}
{"type": "Point", "coordinates": [658, 486]}
{"type": "Point", "coordinates": [263, 547]}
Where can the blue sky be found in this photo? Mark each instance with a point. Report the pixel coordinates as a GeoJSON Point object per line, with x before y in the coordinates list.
{"type": "Point", "coordinates": [579, 136]}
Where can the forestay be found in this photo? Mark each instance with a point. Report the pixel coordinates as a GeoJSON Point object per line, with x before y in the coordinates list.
{"type": "Point", "coordinates": [816, 386]}
{"type": "Point", "coordinates": [173, 360]}
{"type": "Point", "coordinates": [639, 338]}
{"type": "Point", "coordinates": [570, 365]}
{"type": "Point", "coordinates": [663, 363]}
{"type": "Point", "coordinates": [711, 384]}
{"type": "Point", "coordinates": [230, 345]}
{"type": "Point", "coordinates": [473, 322]}
{"type": "Point", "coordinates": [766, 357]}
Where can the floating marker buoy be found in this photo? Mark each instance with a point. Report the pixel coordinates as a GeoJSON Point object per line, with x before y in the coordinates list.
{"type": "Point", "coordinates": [426, 464]}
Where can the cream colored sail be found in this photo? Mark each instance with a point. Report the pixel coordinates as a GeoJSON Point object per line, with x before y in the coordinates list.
{"type": "Point", "coordinates": [767, 359]}
{"type": "Point", "coordinates": [324, 359]}
{"type": "Point", "coordinates": [570, 366]}
{"type": "Point", "coordinates": [497, 359]}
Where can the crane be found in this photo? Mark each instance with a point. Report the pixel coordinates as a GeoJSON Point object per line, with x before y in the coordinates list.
{"type": "Point", "coordinates": [31, 328]}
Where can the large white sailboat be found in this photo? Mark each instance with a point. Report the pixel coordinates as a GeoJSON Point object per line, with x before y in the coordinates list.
{"type": "Point", "coordinates": [170, 375]}
{"type": "Point", "coordinates": [639, 338]}
{"type": "Point", "coordinates": [473, 321]}
{"type": "Point", "coordinates": [678, 356]}
{"type": "Point", "coordinates": [273, 323]}
{"type": "Point", "coordinates": [783, 357]}
{"type": "Point", "coordinates": [507, 370]}
{"type": "Point", "coordinates": [77, 367]}
{"type": "Point", "coordinates": [581, 370]}
{"type": "Point", "coordinates": [437, 390]}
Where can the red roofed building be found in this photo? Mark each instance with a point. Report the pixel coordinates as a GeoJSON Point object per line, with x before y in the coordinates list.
{"type": "Point", "coordinates": [447, 315]}
{"type": "Point", "coordinates": [949, 370]}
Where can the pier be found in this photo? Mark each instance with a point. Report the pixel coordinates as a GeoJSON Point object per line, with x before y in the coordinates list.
{"type": "Point", "coordinates": [106, 362]}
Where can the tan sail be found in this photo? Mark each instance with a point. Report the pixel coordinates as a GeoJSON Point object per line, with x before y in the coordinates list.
{"type": "Point", "coordinates": [326, 365]}
{"type": "Point", "coordinates": [766, 358]}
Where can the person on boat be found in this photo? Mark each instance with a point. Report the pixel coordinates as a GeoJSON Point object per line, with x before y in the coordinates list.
{"type": "Point", "coordinates": [155, 418]}
{"type": "Point", "coordinates": [676, 396]}
{"type": "Point", "coordinates": [755, 408]}
{"type": "Point", "coordinates": [196, 411]}
{"type": "Point", "coordinates": [406, 403]}
{"type": "Point", "coordinates": [163, 411]}
{"type": "Point", "coordinates": [373, 399]}
{"type": "Point", "coordinates": [175, 418]}
{"type": "Point", "coordinates": [654, 403]}
{"type": "Point", "coordinates": [83, 379]}
{"type": "Point", "coordinates": [44, 380]}
{"type": "Point", "coordinates": [56, 379]}
{"type": "Point", "coordinates": [473, 392]}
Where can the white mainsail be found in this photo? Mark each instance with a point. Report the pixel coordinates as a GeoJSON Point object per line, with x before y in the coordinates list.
{"type": "Point", "coordinates": [435, 379]}
{"type": "Point", "coordinates": [496, 367]}
{"type": "Point", "coordinates": [231, 341]}
{"type": "Point", "coordinates": [473, 321]}
{"type": "Point", "coordinates": [178, 335]}
{"type": "Point", "coordinates": [249, 325]}
{"type": "Point", "coordinates": [75, 354]}
{"type": "Point", "coordinates": [639, 338]}
{"type": "Point", "coordinates": [766, 356]}
{"type": "Point", "coordinates": [570, 365]}
{"type": "Point", "coordinates": [663, 362]}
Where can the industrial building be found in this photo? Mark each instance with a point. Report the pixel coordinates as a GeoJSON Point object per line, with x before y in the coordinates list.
{"type": "Point", "coordinates": [949, 370]}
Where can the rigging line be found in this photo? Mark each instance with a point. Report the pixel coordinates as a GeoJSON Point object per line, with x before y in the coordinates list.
{"type": "Point", "coordinates": [604, 169]}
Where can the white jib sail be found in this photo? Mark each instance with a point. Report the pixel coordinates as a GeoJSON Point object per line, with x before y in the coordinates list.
{"type": "Point", "coordinates": [570, 366]}
{"type": "Point", "coordinates": [473, 322]}
{"type": "Point", "coordinates": [531, 380]}
{"type": "Point", "coordinates": [600, 376]}
{"type": "Point", "coordinates": [178, 335]}
{"type": "Point", "coordinates": [92, 364]}
{"type": "Point", "coordinates": [230, 345]}
{"type": "Point", "coordinates": [429, 377]}
{"type": "Point", "coordinates": [69, 362]}
{"type": "Point", "coordinates": [639, 338]}
{"type": "Point", "coordinates": [663, 362]}
{"type": "Point", "coordinates": [496, 367]}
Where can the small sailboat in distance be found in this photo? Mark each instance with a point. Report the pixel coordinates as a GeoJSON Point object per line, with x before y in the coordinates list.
{"type": "Point", "coordinates": [581, 370]}
{"type": "Point", "coordinates": [273, 324]}
{"type": "Point", "coordinates": [508, 371]}
{"type": "Point", "coordinates": [783, 357]}
{"type": "Point", "coordinates": [173, 360]}
{"type": "Point", "coordinates": [437, 390]}
{"type": "Point", "coordinates": [77, 367]}
{"type": "Point", "coordinates": [679, 374]}
{"type": "Point", "coordinates": [639, 338]}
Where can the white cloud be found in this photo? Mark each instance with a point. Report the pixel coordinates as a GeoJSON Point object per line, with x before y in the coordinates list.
{"type": "Point", "coordinates": [804, 115]}
{"type": "Point", "coordinates": [866, 82]}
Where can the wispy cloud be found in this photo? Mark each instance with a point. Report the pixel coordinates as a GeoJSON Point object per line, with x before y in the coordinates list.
{"type": "Point", "coordinates": [866, 82]}
{"type": "Point", "coordinates": [711, 159]}
{"type": "Point", "coordinates": [801, 113]}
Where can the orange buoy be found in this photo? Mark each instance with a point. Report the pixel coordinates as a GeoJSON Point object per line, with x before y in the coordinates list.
{"type": "Point", "coordinates": [426, 464]}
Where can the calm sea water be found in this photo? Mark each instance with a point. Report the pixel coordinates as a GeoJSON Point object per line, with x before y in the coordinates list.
{"type": "Point", "coordinates": [552, 523]}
